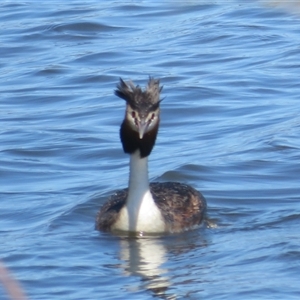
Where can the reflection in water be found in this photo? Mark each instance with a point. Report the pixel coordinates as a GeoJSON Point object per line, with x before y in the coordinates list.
{"type": "Point", "coordinates": [146, 257]}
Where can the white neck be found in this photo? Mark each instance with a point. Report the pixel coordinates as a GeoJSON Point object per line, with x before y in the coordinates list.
{"type": "Point", "coordinates": [138, 176]}
{"type": "Point", "coordinates": [140, 212]}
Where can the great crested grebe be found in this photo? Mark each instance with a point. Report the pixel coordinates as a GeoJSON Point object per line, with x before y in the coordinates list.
{"type": "Point", "coordinates": [143, 207]}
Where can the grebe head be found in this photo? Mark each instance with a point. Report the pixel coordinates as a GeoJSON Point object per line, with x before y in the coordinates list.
{"type": "Point", "coordinates": [140, 126]}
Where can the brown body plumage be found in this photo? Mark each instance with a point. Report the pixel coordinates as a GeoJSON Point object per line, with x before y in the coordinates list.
{"type": "Point", "coordinates": [182, 209]}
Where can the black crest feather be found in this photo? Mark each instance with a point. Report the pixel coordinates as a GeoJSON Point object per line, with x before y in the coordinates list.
{"type": "Point", "coordinates": [146, 100]}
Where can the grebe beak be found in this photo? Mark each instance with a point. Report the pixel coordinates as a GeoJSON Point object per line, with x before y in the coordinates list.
{"type": "Point", "coordinates": [142, 126]}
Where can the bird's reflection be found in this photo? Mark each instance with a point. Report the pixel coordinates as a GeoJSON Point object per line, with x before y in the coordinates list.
{"type": "Point", "coordinates": [144, 257]}
{"type": "Point", "coordinates": [147, 257]}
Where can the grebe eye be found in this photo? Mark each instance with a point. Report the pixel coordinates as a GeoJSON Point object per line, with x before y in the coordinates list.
{"type": "Point", "coordinates": [133, 114]}
{"type": "Point", "coordinates": [153, 116]}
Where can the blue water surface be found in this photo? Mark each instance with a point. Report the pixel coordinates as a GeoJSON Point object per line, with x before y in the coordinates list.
{"type": "Point", "coordinates": [230, 126]}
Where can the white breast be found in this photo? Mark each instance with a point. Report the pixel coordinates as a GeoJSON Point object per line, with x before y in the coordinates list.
{"type": "Point", "coordinates": [140, 215]}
